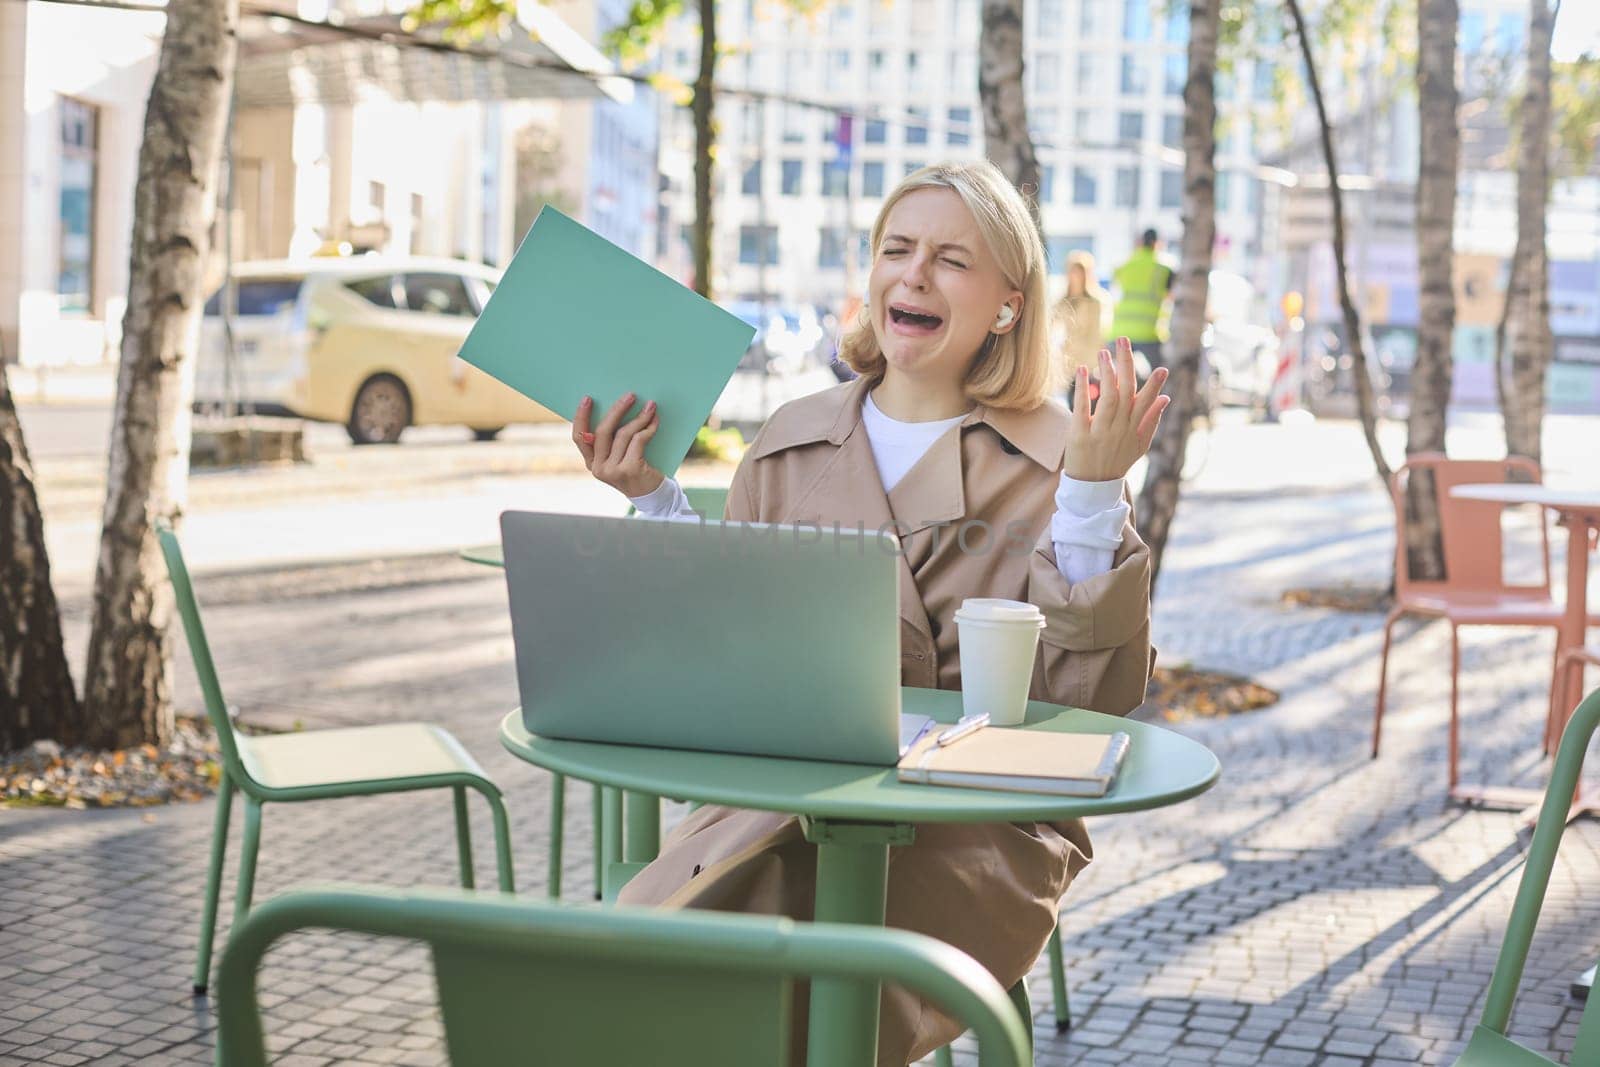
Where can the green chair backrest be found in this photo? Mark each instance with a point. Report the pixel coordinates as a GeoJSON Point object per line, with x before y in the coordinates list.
{"type": "Point", "coordinates": [710, 502]}
{"type": "Point", "coordinates": [200, 651]}
{"type": "Point", "coordinates": [1564, 777]}
{"type": "Point", "coordinates": [531, 982]}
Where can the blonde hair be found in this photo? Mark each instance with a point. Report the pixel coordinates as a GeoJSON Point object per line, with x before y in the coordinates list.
{"type": "Point", "coordinates": [1011, 370]}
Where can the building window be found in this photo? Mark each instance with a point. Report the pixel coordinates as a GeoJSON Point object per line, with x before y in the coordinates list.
{"type": "Point", "coordinates": [1083, 125]}
{"type": "Point", "coordinates": [1224, 190]}
{"type": "Point", "coordinates": [1047, 183]}
{"type": "Point", "coordinates": [750, 183]}
{"type": "Point", "coordinates": [877, 132]}
{"type": "Point", "coordinates": [835, 179]}
{"type": "Point", "coordinates": [1130, 126]}
{"type": "Point", "coordinates": [1047, 73]}
{"type": "Point", "coordinates": [1088, 73]}
{"type": "Point", "coordinates": [1135, 20]}
{"type": "Point", "coordinates": [1134, 78]}
{"type": "Point", "coordinates": [917, 126]}
{"type": "Point", "coordinates": [830, 253]}
{"type": "Point", "coordinates": [1171, 187]}
{"type": "Point", "coordinates": [1178, 22]}
{"type": "Point", "coordinates": [913, 166]}
{"type": "Point", "coordinates": [1057, 248]}
{"type": "Point", "coordinates": [872, 178]}
{"type": "Point", "coordinates": [875, 70]}
{"type": "Point", "coordinates": [1172, 131]}
{"type": "Point", "coordinates": [757, 243]}
{"type": "Point", "coordinates": [377, 198]}
{"type": "Point", "coordinates": [793, 174]}
{"type": "Point", "coordinates": [916, 72]}
{"type": "Point", "coordinates": [1088, 22]}
{"type": "Point", "coordinates": [1177, 73]}
{"type": "Point", "coordinates": [1263, 81]}
{"type": "Point", "coordinates": [1044, 124]}
{"type": "Point", "coordinates": [1083, 186]}
{"type": "Point", "coordinates": [1050, 20]}
{"type": "Point", "coordinates": [79, 163]}
{"type": "Point", "coordinates": [838, 63]}
{"type": "Point", "coordinates": [1126, 193]}
{"type": "Point", "coordinates": [960, 131]}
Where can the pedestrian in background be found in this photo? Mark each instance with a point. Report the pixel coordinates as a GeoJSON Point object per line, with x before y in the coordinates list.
{"type": "Point", "coordinates": [1080, 320]}
{"type": "Point", "coordinates": [1143, 283]}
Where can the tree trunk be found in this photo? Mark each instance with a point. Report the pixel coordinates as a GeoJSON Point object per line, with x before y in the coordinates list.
{"type": "Point", "coordinates": [128, 684]}
{"type": "Point", "coordinates": [703, 107]}
{"type": "Point", "coordinates": [37, 698]}
{"type": "Point", "coordinates": [1158, 498]}
{"type": "Point", "coordinates": [1366, 403]}
{"type": "Point", "coordinates": [1006, 139]}
{"type": "Point", "coordinates": [1439, 155]}
{"type": "Point", "coordinates": [1502, 369]}
{"type": "Point", "coordinates": [1528, 295]}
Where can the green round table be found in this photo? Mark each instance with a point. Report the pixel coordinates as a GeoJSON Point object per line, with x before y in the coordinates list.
{"type": "Point", "coordinates": [853, 813]}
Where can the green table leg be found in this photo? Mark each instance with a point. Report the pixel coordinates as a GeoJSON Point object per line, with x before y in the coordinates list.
{"type": "Point", "coordinates": [643, 839]}
{"type": "Point", "coordinates": [852, 887]}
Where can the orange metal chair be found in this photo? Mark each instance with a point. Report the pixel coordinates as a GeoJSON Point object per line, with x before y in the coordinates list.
{"type": "Point", "coordinates": [1474, 591]}
{"type": "Point", "coordinates": [1567, 659]}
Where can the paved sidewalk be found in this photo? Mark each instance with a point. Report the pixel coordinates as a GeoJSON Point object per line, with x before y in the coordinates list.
{"type": "Point", "coordinates": [1316, 907]}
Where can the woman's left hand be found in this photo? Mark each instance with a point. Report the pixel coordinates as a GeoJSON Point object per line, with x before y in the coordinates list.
{"type": "Point", "coordinates": [1105, 445]}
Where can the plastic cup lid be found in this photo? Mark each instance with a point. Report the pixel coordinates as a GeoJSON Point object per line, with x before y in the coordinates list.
{"type": "Point", "coordinates": [994, 609]}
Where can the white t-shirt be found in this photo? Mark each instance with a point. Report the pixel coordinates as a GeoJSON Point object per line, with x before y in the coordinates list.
{"type": "Point", "coordinates": [1086, 528]}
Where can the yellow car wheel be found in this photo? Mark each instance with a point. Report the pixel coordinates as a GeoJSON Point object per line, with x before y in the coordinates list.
{"type": "Point", "coordinates": [381, 412]}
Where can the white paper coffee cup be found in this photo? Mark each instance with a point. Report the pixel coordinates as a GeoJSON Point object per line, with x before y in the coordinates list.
{"type": "Point", "coordinates": [998, 639]}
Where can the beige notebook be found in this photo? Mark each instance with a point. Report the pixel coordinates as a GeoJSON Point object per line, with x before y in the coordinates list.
{"type": "Point", "coordinates": [1028, 761]}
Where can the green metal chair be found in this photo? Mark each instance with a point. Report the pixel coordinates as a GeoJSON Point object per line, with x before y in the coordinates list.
{"type": "Point", "coordinates": [607, 803]}
{"type": "Point", "coordinates": [531, 982]}
{"type": "Point", "coordinates": [1490, 1047]}
{"type": "Point", "coordinates": [317, 764]}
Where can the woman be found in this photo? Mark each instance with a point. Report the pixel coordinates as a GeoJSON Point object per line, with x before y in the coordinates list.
{"type": "Point", "coordinates": [1080, 313]}
{"type": "Point", "coordinates": [947, 424]}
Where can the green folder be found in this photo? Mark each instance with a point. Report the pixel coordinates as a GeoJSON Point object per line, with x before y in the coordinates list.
{"type": "Point", "coordinates": [577, 316]}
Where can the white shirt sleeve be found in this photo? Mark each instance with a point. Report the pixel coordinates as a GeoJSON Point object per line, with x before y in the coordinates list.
{"type": "Point", "coordinates": [666, 501]}
{"type": "Point", "coordinates": [1087, 527]}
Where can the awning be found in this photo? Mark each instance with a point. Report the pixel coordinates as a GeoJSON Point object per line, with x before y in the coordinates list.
{"type": "Point", "coordinates": [286, 60]}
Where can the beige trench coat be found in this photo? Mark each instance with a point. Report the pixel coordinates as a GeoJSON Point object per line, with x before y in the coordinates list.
{"type": "Point", "coordinates": [974, 519]}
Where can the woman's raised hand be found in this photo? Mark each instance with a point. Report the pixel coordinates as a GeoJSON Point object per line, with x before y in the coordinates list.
{"type": "Point", "coordinates": [614, 450]}
{"type": "Point", "coordinates": [1105, 445]}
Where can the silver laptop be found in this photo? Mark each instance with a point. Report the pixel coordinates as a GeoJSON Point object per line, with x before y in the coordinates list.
{"type": "Point", "coordinates": [730, 637]}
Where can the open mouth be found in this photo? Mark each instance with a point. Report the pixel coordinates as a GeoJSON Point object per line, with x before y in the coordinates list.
{"type": "Point", "coordinates": [916, 320]}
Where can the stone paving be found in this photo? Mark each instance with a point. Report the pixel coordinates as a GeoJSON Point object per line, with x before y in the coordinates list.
{"type": "Point", "coordinates": [1316, 907]}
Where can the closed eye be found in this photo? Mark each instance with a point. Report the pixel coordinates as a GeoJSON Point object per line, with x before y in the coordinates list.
{"type": "Point", "coordinates": [956, 264]}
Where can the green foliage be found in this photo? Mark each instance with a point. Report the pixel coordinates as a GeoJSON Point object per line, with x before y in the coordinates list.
{"type": "Point", "coordinates": [462, 20]}
{"type": "Point", "coordinates": [640, 32]}
{"type": "Point", "coordinates": [726, 446]}
{"type": "Point", "coordinates": [1575, 112]}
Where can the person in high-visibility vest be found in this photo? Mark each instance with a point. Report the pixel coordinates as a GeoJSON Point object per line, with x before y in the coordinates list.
{"type": "Point", "coordinates": [1143, 283]}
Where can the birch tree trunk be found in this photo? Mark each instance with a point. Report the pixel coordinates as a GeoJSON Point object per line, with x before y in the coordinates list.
{"type": "Point", "coordinates": [1528, 295]}
{"type": "Point", "coordinates": [1366, 402]}
{"type": "Point", "coordinates": [703, 108]}
{"type": "Point", "coordinates": [1158, 497]}
{"type": "Point", "coordinates": [1006, 140]}
{"type": "Point", "coordinates": [1439, 155]}
{"type": "Point", "coordinates": [37, 697]}
{"type": "Point", "coordinates": [128, 683]}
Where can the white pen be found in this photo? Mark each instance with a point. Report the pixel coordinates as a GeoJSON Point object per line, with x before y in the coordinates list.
{"type": "Point", "coordinates": [969, 725]}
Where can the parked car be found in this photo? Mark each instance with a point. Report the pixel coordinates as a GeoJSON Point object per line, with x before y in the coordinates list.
{"type": "Point", "coordinates": [1390, 351]}
{"type": "Point", "coordinates": [1241, 356]}
{"type": "Point", "coordinates": [365, 341]}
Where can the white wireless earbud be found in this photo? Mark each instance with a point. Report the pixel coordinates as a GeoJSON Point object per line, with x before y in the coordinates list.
{"type": "Point", "coordinates": [1004, 318]}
